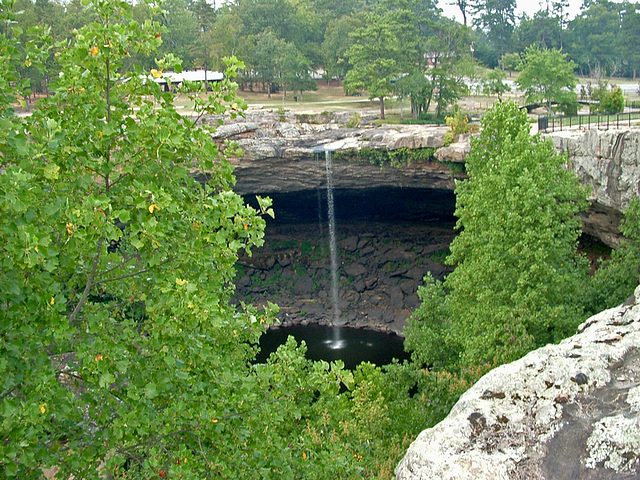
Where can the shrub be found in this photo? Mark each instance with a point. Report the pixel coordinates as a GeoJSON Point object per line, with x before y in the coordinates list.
{"type": "Point", "coordinates": [458, 124]}
{"type": "Point", "coordinates": [611, 100]}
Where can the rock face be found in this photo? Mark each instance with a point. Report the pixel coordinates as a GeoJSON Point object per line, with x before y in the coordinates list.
{"type": "Point", "coordinates": [263, 136]}
{"type": "Point", "coordinates": [380, 269]}
{"type": "Point", "coordinates": [609, 163]}
{"type": "Point", "coordinates": [273, 175]}
{"type": "Point", "coordinates": [286, 157]}
{"type": "Point", "coordinates": [281, 157]}
{"type": "Point", "coordinates": [567, 411]}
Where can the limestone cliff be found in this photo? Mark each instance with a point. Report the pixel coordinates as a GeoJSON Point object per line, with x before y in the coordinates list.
{"type": "Point", "coordinates": [283, 157]}
{"type": "Point", "coordinates": [567, 411]}
{"type": "Point", "coordinates": [280, 157]}
{"type": "Point", "coordinates": [608, 162]}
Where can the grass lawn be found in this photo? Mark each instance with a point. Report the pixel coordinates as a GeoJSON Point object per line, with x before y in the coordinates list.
{"type": "Point", "coordinates": [331, 98]}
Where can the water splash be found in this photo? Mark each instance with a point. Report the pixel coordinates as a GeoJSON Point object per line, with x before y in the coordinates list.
{"type": "Point", "coordinates": [333, 255]}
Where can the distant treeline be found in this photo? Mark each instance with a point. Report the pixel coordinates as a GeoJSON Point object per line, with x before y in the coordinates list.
{"type": "Point", "coordinates": [282, 42]}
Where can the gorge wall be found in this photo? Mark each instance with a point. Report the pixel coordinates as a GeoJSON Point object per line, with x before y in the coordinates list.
{"type": "Point", "coordinates": [395, 224]}
{"type": "Point", "coordinates": [388, 239]}
{"type": "Point", "coordinates": [281, 157]}
{"type": "Point", "coordinates": [608, 163]}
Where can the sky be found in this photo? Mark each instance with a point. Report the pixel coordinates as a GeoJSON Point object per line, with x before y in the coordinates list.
{"type": "Point", "coordinates": [527, 6]}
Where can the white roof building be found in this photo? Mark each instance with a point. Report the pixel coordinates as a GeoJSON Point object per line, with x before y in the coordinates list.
{"type": "Point", "coordinates": [190, 76]}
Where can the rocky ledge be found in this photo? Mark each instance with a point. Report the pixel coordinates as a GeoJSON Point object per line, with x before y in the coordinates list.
{"type": "Point", "coordinates": [564, 411]}
{"type": "Point", "coordinates": [265, 135]}
{"type": "Point", "coordinates": [280, 156]}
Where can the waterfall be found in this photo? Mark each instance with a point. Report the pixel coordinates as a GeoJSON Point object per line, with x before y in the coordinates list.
{"type": "Point", "coordinates": [337, 341]}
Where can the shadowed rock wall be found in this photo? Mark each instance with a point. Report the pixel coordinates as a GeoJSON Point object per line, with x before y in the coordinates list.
{"type": "Point", "coordinates": [279, 157]}
{"type": "Point", "coordinates": [387, 240]}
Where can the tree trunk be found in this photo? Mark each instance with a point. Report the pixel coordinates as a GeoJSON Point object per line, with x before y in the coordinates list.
{"type": "Point", "coordinates": [381, 108]}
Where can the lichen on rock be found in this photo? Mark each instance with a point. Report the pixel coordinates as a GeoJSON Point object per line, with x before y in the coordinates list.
{"type": "Point", "coordinates": [564, 411]}
{"type": "Point", "coordinates": [614, 444]}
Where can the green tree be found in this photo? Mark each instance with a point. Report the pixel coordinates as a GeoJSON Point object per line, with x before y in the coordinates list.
{"type": "Point", "coordinates": [465, 7]}
{"type": "Point", "coordinates": [449, 47]}
{"type": "Point", "coordinates": [631, 23]}
{"type": "Point", "coordinates": [595, 41]}
{"type": "Point", "coordinates": [336, 44]}
{"type": "Point", "coordinates": [205, 15]}
{"type": "Point", "coordinates": [442, 60]}
{"type": "Point", "coordinates": [547, 76]}
{"type": "Point", "coordinates": [610, 100]}
{"type": "Point", "coordinates": [378, 55]}
{"type": "Point", "coordinates": [181, 35]}
{"type": "Point", "coordinates": [296, 71]}
{"type": "Point", "coordinates": [498, 19]}
{"type": "Point", "coordinates": [494, 84]}
{"type": "Point", "coordinates": [510, 62]}
{"type": "Point", "coordinates": [542, 30]}
{"type": "Point", "coordinates": [518, 279]}
{"type": "Point", "coordinates": [225, 37]}
{"type": "Point", "coordinates": [265, 59]}
{"type": "Point", "coordinates": [121, 354]}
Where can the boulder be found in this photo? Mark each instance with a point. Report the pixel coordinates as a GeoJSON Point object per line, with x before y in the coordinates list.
{"type": "Point", "coordinates": [456, 152]}
{"type": "Point", "coordinates": [565, 411]}
{"type": "Point", "coordinates": [303, 286]}
{"type": "Point", "coordinates": [355, 269]}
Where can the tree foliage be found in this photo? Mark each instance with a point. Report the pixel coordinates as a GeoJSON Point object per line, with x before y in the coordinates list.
{"type": "Point", "coordinates": [543, 31]}
{"type": "Point", "coordinates": [336, 44]}
{"type": "Point", "coordinates": [594, 38]}
{"type": "Point", "coordinates": [498, 19]}
{"type": "Point", "coordinates": [610, 100]}
{"type": "Point", "coordinates": [378, 55]}
{"type": "Point", "coordinates": [517, 282]}
{"type": "Point", "coordinates": [121, 354]}
{"type": "Point", "coordinates": [547, 76]}
{"type": "Point", "coordinates": [494, 84]}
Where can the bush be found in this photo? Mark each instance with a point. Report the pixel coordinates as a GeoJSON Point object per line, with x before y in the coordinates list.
{"type": "Point", "coordinates": [458, 124]}
{"type": "Point", "coordinates": [611, 100]}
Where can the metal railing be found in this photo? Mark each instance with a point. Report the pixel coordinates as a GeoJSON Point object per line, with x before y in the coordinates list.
{"type": "Point", "coordinates": [601, 121]}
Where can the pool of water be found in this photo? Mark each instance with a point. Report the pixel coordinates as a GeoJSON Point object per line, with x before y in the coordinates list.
{"type": "Point", "coordinates": [351, 345]}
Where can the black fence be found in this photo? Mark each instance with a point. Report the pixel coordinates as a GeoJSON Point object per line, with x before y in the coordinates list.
{"type": "Point", "coordinates": [597, 121]}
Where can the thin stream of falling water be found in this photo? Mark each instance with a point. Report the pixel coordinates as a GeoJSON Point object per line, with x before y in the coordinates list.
{"type": "Point", "coordinates": [333, 254]}
{"type": "Point", "coordinates": [320, 218]}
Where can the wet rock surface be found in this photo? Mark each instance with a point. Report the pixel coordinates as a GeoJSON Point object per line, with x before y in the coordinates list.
{"type": "Point", "coordinates": [381, 265]}
{"type": "Point", "coordinates": [567, 411]}
{"type": "Point", "coordinates": [387, 240]}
